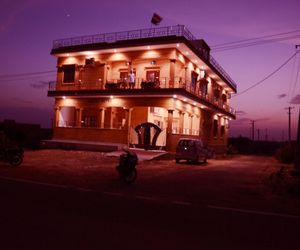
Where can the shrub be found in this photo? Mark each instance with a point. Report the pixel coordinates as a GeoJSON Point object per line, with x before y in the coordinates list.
{"type": "Point", "coordinates": [285, 154]}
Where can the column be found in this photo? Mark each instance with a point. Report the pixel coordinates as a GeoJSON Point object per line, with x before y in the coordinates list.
{"type": "Point", "coordinates": [126, 125]}
{"type": "Point", "coordinates": [129, 127]}
{"type": "Point", "coordinates": [170, 122]}
{"type": "Point", "coordinates": [102, 117]}
{"type": "Point", "coordinates": [172, 73]}
{"type": "Point", "coordinates": [111, 120]}
{"type": "Point", "coordinates": [181, 122]}
{"type": "Point", "coordinates": [56, 116]}
{"type": "Point", "coordinates": [191, 124]}
{"type": "Point", "coordinates": [185, 76]}
{"type": "Point", "coordinates": [99, 117]}
{"type": "Point", "coordinates": [78, 117]}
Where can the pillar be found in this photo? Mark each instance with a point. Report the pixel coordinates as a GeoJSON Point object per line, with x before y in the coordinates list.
{"type": "Point", "coordinates": [99, 117]}
{"type": "Point", "coordinates": [56, 117]}
{"type": "Point", "coordinates": [170, 122]}
{"type": "Point", "coordinates": [181, 122]}
{"type": "Point", "coordinates": [185, 76]}
{"type": "Point", "coordinates": [102, 118]}
{"type": "Point", "coordinates": [191, 124]}
{"type": "Point", "coordinates": [78, 117]}
{"type": "Point", "coordinates": [172, 73]}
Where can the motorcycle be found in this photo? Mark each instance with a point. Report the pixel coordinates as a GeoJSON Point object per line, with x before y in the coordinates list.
{"type": "Point", "coordinates": [14, 155]}
{"type": "Point", "coordinates": [127, 166]}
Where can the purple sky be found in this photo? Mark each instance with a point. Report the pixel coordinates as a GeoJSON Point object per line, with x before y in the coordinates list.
{"type": "Point", "coordinates": [28, 27]}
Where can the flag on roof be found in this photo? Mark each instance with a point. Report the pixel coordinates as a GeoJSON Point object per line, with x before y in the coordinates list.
{"type": "Point", "coordinates": [156, 19]}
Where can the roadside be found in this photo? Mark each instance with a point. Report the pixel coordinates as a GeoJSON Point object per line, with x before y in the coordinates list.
{"type": "Point", "coordinates": [240, 182]}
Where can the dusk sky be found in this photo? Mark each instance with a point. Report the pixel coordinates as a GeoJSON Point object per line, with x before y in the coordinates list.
{"type": "Point", "coordinates": [28, 27]}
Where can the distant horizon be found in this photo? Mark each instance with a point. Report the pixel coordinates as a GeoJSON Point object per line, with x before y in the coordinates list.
{"type": "Point", "coordinates": [244, 132]}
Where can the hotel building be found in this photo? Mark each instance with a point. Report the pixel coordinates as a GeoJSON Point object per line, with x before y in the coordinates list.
{"type": "Point", "coordinates": [142, 88]}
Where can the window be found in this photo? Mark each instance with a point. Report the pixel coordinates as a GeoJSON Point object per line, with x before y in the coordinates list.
{"type": "Point", "coordinates": [203, 87]}
{"type": "Point", "coordinates": [152, 76]}
{"type": "Point", "coordinates": [69, 73]}
{"type": "Point", "coordinates": [194, 77]}
{"type": "Point", "coordinates": [215, 128]}
{"type": "Point", "coordinates": [90, 121]}
{"type": "Point", "coordinates": [123, 76]}
{"type": "Point", "coordinates": [222, 131]}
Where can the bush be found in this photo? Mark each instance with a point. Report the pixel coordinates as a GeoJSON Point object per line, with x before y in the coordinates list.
{"type": "Point", "coordinates": [286, 154]}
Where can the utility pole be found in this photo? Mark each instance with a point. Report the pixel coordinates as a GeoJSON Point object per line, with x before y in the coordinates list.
{"type": "Point", "coordinates": [289, 113]}
{"type": "Point", "coordinates": [297, 151]}
{"type": "Point", "coordinates": [266, 135]}
{"type": "Point", "coordinates": [252, 129]}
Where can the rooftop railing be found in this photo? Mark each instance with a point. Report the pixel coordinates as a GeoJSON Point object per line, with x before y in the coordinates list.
{"type": "Point", "coordinates": [176, 30]}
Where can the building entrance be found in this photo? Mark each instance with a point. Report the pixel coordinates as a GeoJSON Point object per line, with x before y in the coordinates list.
{"type": "Point", "coordinates": [147, 135]}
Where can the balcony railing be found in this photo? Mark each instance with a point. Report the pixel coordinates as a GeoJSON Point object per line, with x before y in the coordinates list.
{"type": "Point", "coordinates": [160, 83]}
{"type": "Point", "coordinates": [176, 30]}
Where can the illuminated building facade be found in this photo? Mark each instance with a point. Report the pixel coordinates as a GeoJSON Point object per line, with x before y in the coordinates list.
{"type": "Point", "coordinates": [177, 89]}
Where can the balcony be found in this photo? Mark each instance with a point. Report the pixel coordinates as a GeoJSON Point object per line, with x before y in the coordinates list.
{"type": "Point", "coordinates": [177, 31]}
{"type": "Point", "coordinates": [161, 86]}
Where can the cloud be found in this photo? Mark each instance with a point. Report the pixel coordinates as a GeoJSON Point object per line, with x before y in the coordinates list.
{"type": "Point", "coordinates": [281, 96]}
{"type": "Point", "coordinates": [295, 100]}
{"type": "Point", "coordinates": [240, 112]}
{"type": "Point", "coordinates": [19, 100]}
{"type": "Point", "coordinates": [39, 85]}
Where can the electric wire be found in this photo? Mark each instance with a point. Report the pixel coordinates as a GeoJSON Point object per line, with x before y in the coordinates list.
{"type": "Point", "coordinates": [16, 80]}
{"type": "Point", "coordinates": [26, 74]}
{"type": "Point", "coordinates": [254, 38]}
{"type": "Point", "coordinates": [244, 45]}
{"type": "Point", "coordinates": [268, 76]}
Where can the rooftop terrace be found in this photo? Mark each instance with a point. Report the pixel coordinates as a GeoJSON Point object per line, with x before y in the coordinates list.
{"type": "Point", "coordinates": [177, 30]}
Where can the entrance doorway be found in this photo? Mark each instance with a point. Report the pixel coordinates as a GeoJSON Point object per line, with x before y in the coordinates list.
{"type": "Point", "coordinates": [147, 135]}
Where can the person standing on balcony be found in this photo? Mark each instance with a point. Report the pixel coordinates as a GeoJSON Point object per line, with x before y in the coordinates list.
{"type": "Point", "coordinates": [131, 79]}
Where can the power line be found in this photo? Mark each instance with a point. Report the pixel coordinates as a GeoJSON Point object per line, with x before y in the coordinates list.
{"type": "Point", "coordinates": [268, 76]}
{"type": "Point", "coordinates": [3, 81]}
{"type": "Point", "coordinates": [27, 74]}
{"type": "Point", "coordinates": [255, 38]}
{"type": "Point", "coordinates": [238, 46]}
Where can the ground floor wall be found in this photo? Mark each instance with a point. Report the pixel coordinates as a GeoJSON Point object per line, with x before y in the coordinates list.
{"type": "Point", "coordinates": [92, 134]}
{"type": "Point", "coordinates": [153, 123]}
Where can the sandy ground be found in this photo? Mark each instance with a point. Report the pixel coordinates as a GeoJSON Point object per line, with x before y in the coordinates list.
{"type": "Point", "coordinates": [240, 182]}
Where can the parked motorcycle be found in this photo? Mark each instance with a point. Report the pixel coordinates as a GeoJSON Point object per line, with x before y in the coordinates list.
{"type": "Point", "coordinates": [12, 155]}
{"type": "Point", "coordinates": [127, 166]}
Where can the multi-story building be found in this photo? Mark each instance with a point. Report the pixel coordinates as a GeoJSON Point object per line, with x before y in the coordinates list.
{"type": "Point", "coordinates": [144, 88]}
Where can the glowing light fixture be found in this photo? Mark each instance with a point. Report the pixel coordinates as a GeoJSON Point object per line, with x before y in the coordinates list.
{"type": "Point", "coordinates": [184, 99]}
{"type": "Point", "coordinates": [148, 47]}
{"type": "Point", "coordinates": [115, 51]}
{"type": "Point", "coordinates": [111, 97]}
{"type": "Point", "coordinates": [174, 96]}
{"type": "Point", "coordinates": [177, 45]}
{"type": "Point", "coordinates": [64, 97]}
